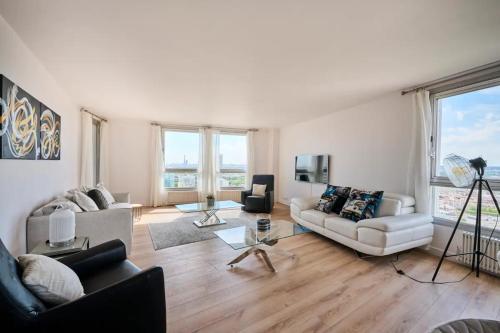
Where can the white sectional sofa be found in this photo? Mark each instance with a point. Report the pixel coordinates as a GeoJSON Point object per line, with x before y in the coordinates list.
{"type": "Point", "coordinates": [395, 228]}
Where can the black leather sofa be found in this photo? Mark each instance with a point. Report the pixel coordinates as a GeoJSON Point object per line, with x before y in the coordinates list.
{"type": "Point", "coordinates": [256, 204]}
{"type": "Point", "coordinates": [119, 297]}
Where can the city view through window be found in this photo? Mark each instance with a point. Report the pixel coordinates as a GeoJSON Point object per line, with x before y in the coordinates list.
{"type": "Point", "coordinates": [182, 154]}
{"type": "Point", "coordinates": [469, 127]}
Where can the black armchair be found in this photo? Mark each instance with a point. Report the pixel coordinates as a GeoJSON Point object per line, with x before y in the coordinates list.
{"type": "Point", "coordinates": [258, 204]}
{"type": "Point", "coordinates": [119, 297]}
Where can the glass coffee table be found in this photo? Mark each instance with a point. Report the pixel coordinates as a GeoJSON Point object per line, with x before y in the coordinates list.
{"type": "Point", "coordinates": [259, 242]}
{"type": "Point", "coordinates": [210, 211]}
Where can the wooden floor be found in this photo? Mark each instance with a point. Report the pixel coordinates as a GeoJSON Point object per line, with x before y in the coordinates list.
{"type": "Point", "coordinates": [326, 289]}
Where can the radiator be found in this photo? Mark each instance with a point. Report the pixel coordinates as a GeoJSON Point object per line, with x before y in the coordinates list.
{"type": "Point", "coordinates": [487, 264]}
{"type": "Point", "coordinates": [181, 197]}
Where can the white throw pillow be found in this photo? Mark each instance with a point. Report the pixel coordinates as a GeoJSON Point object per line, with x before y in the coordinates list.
{"type": "Point", "coordinates": [85, 202]}
{"type": "Point", "coordinates": [50, 280]}
{"type": "Point", "coordinates": [106, 194]}
{"type": "Point", "coordinates": [259, 190]}
{"type": "Point", "coordinates": [61, 202]}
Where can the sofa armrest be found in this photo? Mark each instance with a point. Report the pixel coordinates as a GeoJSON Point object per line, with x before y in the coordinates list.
{"type": "Point", "coordinates": [304, 203]}
{"type": "Point", "coordinates": [136, 304]}
{"type": "Point", "coordinates": [86, 262]}
{"type": "Point", "coordinates": [395, 223]}
{"type": "Point", "coordinates": [122, 197]}
{"type": "Point", "coordinates": [244, 195]}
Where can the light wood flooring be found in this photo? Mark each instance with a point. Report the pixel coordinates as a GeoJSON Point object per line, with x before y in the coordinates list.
{"type": "Point", "coordinates": [325, 289]}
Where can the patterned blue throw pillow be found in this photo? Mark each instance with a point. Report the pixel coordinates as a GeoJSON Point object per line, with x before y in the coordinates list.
{"type": "Point", "coordinates": [361, 205]}
{"type": "Point", "coordinates": [333, 199]}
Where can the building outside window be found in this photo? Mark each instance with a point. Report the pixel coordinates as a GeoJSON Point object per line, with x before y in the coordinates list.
{"type": "Point", "coordinates": [466, 123]}
{"type": "Point", "coordinates": [181, 151]}
{"type": "Point", "coordinates": [232, 149]}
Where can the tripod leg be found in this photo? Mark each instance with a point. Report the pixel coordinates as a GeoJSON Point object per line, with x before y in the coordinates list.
{"type": "Point", "coordinates": [476, 258]}
{"type": "Point", "coordinates": [454, 231]}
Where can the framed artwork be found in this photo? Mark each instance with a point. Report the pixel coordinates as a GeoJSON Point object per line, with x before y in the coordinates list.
{"type": "Point", "coordinates": [50, 134]}
{"type": "Point", "coordinates": [19, 122]}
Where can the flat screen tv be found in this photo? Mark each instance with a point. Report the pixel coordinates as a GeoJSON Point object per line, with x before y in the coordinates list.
{"type": "Point", "coordinates": [312, 168]}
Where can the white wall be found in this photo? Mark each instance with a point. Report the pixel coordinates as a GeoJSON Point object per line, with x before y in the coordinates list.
{"type": "Point", "coordinates": [130, 142]}
{"type": "Point", "coordinates": [368, 147]}
{"type": "Point", "coordinates": [27, 184]}
{"type": "Point", "coordinates": [129, 158]}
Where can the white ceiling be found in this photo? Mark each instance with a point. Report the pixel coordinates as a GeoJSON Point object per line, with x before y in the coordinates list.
{"type": "Point", "coordinates": [262, 63]}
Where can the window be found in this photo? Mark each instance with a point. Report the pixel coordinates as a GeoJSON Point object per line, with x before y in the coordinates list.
{"type": "Point", "coordinates": [96, 149]}
{"type": "Point", "coordinates": [182, 150]}
{"type": "Point", "coordinates": [466, 123]}
{"type": "Point", "coordinates": [232, 160]}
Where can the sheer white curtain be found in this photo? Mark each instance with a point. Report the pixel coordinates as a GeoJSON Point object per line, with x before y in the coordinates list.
{"type": "Point", "coordinates": [87, 157]}
{"type": "Point", "coordinates": [420, 153]}
{"type": "Point", "coordinates": [207, 166]}
{"type": "Point", "coordinates": [104, 154]}
{"type": "Point", "coordinates": [158, 195]}
{"type": "Point", "coordinates": [250, 157]}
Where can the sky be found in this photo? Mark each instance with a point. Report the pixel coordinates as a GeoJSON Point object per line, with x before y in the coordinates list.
{"type": "Point", "coordinates": [180, 145]}
{"type": "Point", "coordinates": [470, 125]}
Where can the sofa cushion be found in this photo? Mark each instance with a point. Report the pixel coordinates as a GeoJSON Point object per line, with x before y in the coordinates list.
{"type": "Point", "coordinates": [342, 226]}
{"type": "Point", "coordinates": [395, 223]}
{"type": "Point", "coordinates": [51, 281]}
{"type": "Point", "coordinates": [304, 203]}
{"type": "Point", "coordinates": [333, 199]}
{"type": "Point", "coordinates": [388, 207]}
{"type": "Point", "coordinates": [314, 216]}
{"type": "Point", "coordinates": [361, 205]}
{"type": "Point", "coordinates": [406, 200]}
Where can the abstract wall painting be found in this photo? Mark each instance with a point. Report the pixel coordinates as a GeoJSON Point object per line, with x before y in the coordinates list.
{"type": "Point", "coordinates": [50, 134]}
{"type": "Point", "coordinates": [19, 122]}
{"type": "Point", "coordinates": [28, 129]}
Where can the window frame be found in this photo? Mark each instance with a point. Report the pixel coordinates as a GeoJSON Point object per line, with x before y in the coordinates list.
{"type": "Point", "coordinates": [222, 171]}
{"type": "Point", "coordinates": [443, 181]}
{"type": "Point", "coordinates": [180, 170]}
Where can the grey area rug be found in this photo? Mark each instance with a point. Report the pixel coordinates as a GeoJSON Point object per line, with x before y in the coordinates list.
{"type": "Point", "coordinates": [183, 231]}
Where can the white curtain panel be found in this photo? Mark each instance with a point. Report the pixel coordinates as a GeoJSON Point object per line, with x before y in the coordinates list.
{"type": "Point", "coordinates": [158, 195]}
{"type": "Point", "coordinates": [420, 153]}
{"type": "Point", "coordinates": [104, 154]}
{"type": "Point", "coordinates": [87, 157]}
{"type": "Point", "coordinates": [250, 157]}
{"type": "Point", "coordinates": [208, 164]}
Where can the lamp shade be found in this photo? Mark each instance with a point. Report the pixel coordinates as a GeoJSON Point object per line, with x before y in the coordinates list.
{"type": "Point", "coordinates": [61, 227]}
{"type": "Point", "coordinates": [459, 170]}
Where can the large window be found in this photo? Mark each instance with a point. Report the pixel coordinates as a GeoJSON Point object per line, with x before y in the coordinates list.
{"type": "Point", "coordinates": [466, 123]}
{"type": "Point", "coordinates": [182, 150]}
{"type": "Point", "coordinates": [232, 160]}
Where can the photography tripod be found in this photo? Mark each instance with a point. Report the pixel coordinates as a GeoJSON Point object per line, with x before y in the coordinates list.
{"type": "Point", "coordinates": [477, 254]}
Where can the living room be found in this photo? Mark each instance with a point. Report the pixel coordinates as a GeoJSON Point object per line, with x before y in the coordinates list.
{"type": "Point", "coordinates": [285, 166]}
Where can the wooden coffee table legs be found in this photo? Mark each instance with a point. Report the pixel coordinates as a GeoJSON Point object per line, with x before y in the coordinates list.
{"type": "Point", "coordinates": [258, 250]}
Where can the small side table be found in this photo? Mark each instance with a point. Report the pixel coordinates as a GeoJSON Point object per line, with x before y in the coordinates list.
{"type": "Point", "coordinates": [136, 212]}
{"type": "Point", "coordinates": [80, 244]}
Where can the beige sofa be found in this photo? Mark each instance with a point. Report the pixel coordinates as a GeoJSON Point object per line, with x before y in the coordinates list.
{"type": "Point", "coordinates": [395, 228]}
{"type": "Point", "coordinates": [100, 226]}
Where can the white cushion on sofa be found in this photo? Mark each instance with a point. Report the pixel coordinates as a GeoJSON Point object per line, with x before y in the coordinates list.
{"type": "Point", "coordinates": [304, 203]}
{"type": "Point", "coordinates": [342, 226]}
{"type": "Point", "coordinates": [394, 223]}
{"type": "Point", "coordinates": [406, 200]}
{"type": "Point", "coordinates": [314, 216]}
{"type": "Point", "coordinates": [50, 280]}
{"type": "Point", "coordinates": [388, 207]}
